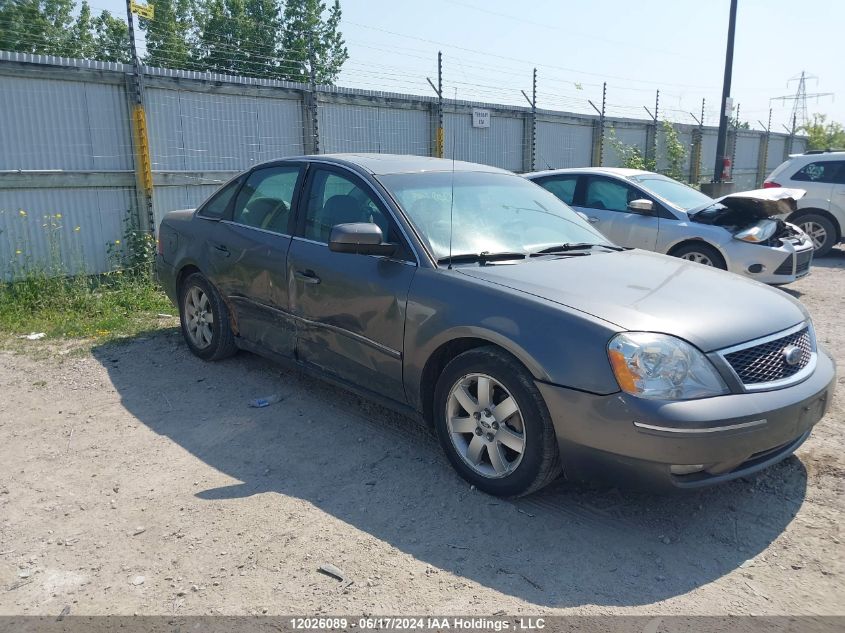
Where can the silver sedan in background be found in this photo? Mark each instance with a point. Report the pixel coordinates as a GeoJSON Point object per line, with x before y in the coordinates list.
{"type": "Point", "coordinates": [642, 209]}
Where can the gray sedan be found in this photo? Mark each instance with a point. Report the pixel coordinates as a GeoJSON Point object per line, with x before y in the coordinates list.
{"type": "Point", "coordinates": [641, 209]}
{"type": "Point", "coordinates": [479, 302]}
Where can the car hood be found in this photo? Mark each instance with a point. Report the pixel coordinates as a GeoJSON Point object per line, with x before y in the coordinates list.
{"type": "Point", "coordinates": [639, 290]}
{"type": "Point", "coordinates": [746, 207]}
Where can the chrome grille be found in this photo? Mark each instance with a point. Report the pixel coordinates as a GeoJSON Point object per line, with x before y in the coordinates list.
{"type": "Point", "coordinates": [766, 362]}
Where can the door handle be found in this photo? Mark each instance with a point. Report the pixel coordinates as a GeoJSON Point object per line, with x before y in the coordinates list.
{"type": "Point", "coordinates": [221, 250]}
{"type": "Point", "coordinates": [592, 219]}
{"type": "Point", "coordinates": [307, 276]}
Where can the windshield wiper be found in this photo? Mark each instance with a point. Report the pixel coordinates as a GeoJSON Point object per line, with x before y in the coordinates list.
{"type": "Point", "coordinates": [574, 246]}
{"type": "Point", "coordinates": [482, 257]}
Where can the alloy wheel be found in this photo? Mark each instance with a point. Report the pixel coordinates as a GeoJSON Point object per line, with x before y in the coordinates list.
{"type": "Point", "coordinates": [199, 317]}
{"type": "Point", "coordinates": [485, 425]}
{"type": "Point", "coordinates": [816, 232]}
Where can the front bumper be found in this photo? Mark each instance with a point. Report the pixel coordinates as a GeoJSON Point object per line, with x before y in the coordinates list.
{"type": "Point", "coordinates": [776, 264]}
{"type": "Point", "coordinates": [623, 438]}
{"type": "Point", "coordinates": [166, 278]}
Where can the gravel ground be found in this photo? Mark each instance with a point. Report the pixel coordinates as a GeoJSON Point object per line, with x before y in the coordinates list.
{"type": "Point", "coordinates": [135, 479]}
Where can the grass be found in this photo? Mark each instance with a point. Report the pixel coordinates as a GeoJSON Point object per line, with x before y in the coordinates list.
{"type": "Point", "coordinates": [101, 307]}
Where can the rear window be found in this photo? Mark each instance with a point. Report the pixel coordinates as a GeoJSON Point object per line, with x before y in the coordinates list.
{"type": "Point", "coordinates": [831, 171]}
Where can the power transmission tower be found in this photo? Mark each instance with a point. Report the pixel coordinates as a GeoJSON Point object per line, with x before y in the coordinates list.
{"type": "Point", "coordinates": [799, 99]}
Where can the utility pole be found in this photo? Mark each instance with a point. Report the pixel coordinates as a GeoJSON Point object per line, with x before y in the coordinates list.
{"type": "Point", "coordinates": [799, 99]}
{"type": "Point", "coordinates": [532, 157]}
{"type": "Point", "coordinates": [726, 92]}
{"type": "Point", "coordinates": [143, 162]}
{"type": "Point", "coordinates": [438, 90]}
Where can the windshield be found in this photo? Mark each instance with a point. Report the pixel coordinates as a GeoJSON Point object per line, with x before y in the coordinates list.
{"type": "Point", "coordinates": [674, 192]}
{"type": "Point", "coordinates": [492, 212]}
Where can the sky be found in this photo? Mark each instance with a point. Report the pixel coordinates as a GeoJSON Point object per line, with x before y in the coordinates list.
{"type": "Point", "coordinates": [490, 48]}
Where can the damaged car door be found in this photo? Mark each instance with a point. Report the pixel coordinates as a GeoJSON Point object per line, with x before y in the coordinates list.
{"type": "Point", "coordinates": [349, 308]}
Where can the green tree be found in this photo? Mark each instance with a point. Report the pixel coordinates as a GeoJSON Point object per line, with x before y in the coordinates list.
{"type": "Point", "coordinates": [170, 36]}
{"type": "Point", "coordinates": [41, 27]}
{"type": "Point", "coordinates": [307, 30]}
{"type": "Point", "coordinates": [82, 43]}
{"type": "Point", "coordinates": [221, 46]}
{"type": "Point", "coordinates": [673, 150]}
{"type": "Point", "coordinates": [112, 39]}
{"type": "Point", "coordinates": [824, 135]}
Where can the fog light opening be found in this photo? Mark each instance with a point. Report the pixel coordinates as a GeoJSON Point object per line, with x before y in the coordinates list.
{"type": "Point", "coordinates": [686, 469]}
{"type": "Point", "coordinates": [756, 268]}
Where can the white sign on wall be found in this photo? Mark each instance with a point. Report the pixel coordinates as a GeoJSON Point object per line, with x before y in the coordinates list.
{"type": "Point", "coordinates": [480, 117]}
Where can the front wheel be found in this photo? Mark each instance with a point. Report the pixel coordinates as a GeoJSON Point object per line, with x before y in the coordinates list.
{"type": "Point", "coordinates": [701, 253]}
{"type": "Point", "coordinates": [493, 424]}
{"type": "Point", "coordinates": [205, 319]}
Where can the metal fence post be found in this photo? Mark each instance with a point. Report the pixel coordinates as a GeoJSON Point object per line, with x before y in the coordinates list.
{"type": "Point", "coordinates": [763, 152]}
{"type": "Point", "coordinates": [311, 119]}
{"type": "Point", "coordinates": [140, 138]}
{"type": "Point", "coordinates": [530, 154]}
{"type": "Point", "coordinates": [597, 155]}
{"type": "Point", "coordinates": [651, 143]}
{"type": "Point", "coordinates": [695, 150]}
{"type": "Point", "coordinates": [437, 145]}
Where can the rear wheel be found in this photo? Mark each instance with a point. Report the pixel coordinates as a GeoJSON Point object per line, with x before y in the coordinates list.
{"type": "Point", "coordinates": [821, 231]}
{"type": "Point", "coordinates": [701, 253]}
{"type": "Point", "coordinates": [493, 424]}
{"type": "Point", "coordinates": [205, 319]}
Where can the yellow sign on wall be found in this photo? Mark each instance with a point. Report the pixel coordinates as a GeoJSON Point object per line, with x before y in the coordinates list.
{"type": "Point", "coordinates": [143, 10]}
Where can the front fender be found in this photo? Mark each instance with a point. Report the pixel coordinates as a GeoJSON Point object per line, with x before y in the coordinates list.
{"type": "Point", "coordinates": [556, 344]}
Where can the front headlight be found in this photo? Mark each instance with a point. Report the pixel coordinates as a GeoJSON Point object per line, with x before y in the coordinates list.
{"type": "Point", "coordinates": [662, 367]}
{"type": "Point", "coordinates": [756, 233]}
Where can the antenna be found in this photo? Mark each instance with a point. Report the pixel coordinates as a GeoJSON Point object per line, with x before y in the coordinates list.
{"type": "Point", "coordinates": [452, 197]}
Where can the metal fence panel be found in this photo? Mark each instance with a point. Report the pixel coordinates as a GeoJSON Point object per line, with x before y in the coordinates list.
{"type": "Point", "coordinates": [172, 198]}
{"type": "Point", "coordinates": [64, 231]}
{"type": "Point", "coordinates": [346, 127]}
{"type": "Point", "coordinates": [775, 158]}
{"type": "Point", "coordinates": [500, 145]}
{"type": "Point", "coordinates": [279, 128]}
{"type": "Point", "coordinates": [627, 135]}
{"type": "Point", "coordinates": [49, 124]}
{"type": "Point", "coordinates": [563, 145]}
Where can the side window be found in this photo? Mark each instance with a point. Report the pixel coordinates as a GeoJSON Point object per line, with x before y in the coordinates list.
{"type": "Point", "coordinates": [604, 193]}
{"type": "Point", "coordinates": [219, 202]}
{"type": "Point", "coordinates": [821, 171]}
{"type": "Point", "coordinates": [561, 186]}
{"type": "Point", "coordinates": [265, 200]}
{"type": "Point", "coordinates": [335, 199]}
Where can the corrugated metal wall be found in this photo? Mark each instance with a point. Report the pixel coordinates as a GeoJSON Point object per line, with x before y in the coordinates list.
{"type": "Point", "coordinates": [563, 144]}
{"type": "Point", "coordinates": [69, 121]}
{"type": "Point", "coordinates": [501, 145]}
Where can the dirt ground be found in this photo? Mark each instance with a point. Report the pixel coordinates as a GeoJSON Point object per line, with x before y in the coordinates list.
{"type": "Point", "coordinates": [134, 478]}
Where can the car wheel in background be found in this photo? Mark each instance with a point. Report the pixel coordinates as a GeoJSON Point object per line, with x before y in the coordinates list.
{"type": "Point", "coordinates": [205, 319]}
{"type": "Point", "coordinates": [701, 253]}
{"type": "Point", "coordinates": [493, 424]}
{"type": "Point", "coordinates": [821, 231]}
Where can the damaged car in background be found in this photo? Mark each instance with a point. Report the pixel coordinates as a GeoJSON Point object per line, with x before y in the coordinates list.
{"type": "Point", "coordinates": [641, 209]}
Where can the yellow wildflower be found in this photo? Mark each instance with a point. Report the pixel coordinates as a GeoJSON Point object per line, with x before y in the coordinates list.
{"type": "Point", "coordinates": [18, 252]}
{"type": "Point", "coordinates": [22, 212]}
{"type": "Point", "coordinates": [117, 241]}
{"type": "Point", "coordinates": [58, 215]}
{"type": "Point", "coordinates": [76, 229]}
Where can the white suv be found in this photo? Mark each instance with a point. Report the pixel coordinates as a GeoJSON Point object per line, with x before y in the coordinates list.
{"type": "Point", "coordinates": [821, 213]}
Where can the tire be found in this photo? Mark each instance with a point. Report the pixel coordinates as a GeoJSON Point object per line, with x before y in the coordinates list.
{"type": "Point", "coordinates": [465, 438]}
{"type": "Point", "coordinates": [701, 253]}
{"type": "Point", "coordinates": [212, 337]}
{"type": "Point", "coordinates": [820, 229]}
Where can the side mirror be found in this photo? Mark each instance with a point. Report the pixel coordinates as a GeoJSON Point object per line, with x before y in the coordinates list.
{"type": "Point", "coordinates": [641, 205]}
{"type": "Point", "coordinates": [362, 238]}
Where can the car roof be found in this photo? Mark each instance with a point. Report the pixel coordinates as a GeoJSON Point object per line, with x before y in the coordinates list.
{"type": "Point", "coordinates": [622, 172]}
{"type": "Point", "coordinates": [381, 164]}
